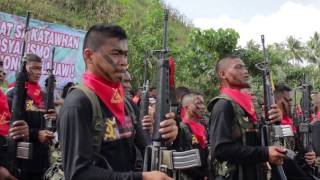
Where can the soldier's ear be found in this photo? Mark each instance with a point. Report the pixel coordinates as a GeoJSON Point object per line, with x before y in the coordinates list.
{"type": "Point", "coordinates": [222, 74]}
{"type": "Point", "coordinates": [87, 54]}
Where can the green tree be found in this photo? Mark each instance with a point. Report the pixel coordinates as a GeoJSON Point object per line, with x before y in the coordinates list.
{"type": "Point", "coordinates": [295, 50]}
{"type": "Point", "coordinates": [203, 49]}
{"type": "Point", "coordinates": [313, 49]}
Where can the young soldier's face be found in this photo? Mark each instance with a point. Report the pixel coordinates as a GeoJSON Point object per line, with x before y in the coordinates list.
{"type": "Point", "coordinates": [236, 74]}
{"type": "Point", "coordinates": [110, 61]}
{"type": "Point", "coordinates": [198, 106]}
{"type": "Point", "coordinates": [34, 71]}
{"type": "Point", "coordinates": [287, 103]}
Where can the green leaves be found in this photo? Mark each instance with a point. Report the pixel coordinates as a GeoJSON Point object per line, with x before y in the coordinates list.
{"type": "Point", "coordinates": [203, 49]}
{"type": "Point", "coordinates": [195, 51]}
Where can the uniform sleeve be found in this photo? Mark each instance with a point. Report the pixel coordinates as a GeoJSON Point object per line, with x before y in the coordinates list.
{"type": "Point", "coordinates": [74, 125]}
{"type": "Point", "coordinates": [225, 147]}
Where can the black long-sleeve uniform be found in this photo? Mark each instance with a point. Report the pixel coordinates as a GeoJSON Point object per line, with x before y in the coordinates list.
{"type": "Point", "coordinates": [184, 142]}
{"type": "Point", "coordinates": [226, 147]}
{"type": "Point", "coordinates": [35, 167]}
{"type": "Point", "coordinates": [74, 129]}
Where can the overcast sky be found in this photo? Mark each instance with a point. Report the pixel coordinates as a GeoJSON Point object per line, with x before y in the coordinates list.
{"type": "Point", "coordinates": [277, 19]}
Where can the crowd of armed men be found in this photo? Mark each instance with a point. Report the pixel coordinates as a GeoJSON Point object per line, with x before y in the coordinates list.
{"type": "Point", "coordinates": [102, 135]}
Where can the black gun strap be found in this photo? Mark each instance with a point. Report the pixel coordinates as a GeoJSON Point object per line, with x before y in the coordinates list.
{"type": "Point", "coordinates": [98, 122]}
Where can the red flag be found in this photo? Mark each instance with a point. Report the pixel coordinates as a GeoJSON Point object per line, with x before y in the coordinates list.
{"type": "Point", "coordinates": [171, 74]}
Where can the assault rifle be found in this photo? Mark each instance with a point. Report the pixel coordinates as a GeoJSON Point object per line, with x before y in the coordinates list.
{"type": "Point", "coordinates": [49, 123]}
{"type": "Point", "coordinates": [157, 156]}
{"type": "Point", "coordinates": [19, 149]}
{"type": "Point", "coordinates": [270, 134]}
{"type": "Point", "coordinates": [144, 103]}
{"type": "Point", "coordinates": [304, 126]}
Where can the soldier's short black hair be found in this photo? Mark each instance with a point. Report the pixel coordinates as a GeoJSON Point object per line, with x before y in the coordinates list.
{"type": "Point", "coordinates": [97, 34]}
{"type": "Point", "coordinates": [181, 91]}
{"type": "Point", "coordinates": [222, 61]}
{"type": "Point", "coordinates": [32, 58]}
{"type": "Point", "coordinates": [188, 98]}
{"type": "Point", "coordinates": [152, 88]}
{"type": "Point", "coordinates": [281, 88]}
{"type": "Point", "coordinates": [66, 89]}
{"type": "Point", "coordinates": [47, 81]}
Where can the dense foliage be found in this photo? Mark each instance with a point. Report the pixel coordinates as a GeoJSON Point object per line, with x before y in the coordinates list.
{"type": "Point", "coordinates": [194, 50]}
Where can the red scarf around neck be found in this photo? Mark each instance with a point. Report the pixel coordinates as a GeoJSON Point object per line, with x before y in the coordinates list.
{"type": "Point", "coordinates": [286, 120]}
{"type": "Point", "coordinates": [110, 93]}
{"type": "Point", "coordinates": [4, 115]}
{"type": "Point", "coordinates": [34, 92]}
{"type": "Point", "coordinates": [243, 99]}
{"type": "Point", "coordinates": [183, 111]}
{"type": "Point", "coordinates": [198, 130]}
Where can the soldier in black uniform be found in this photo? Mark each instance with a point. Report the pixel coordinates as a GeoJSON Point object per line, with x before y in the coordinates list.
{"type": "Point", "coordinates": [236, 151]}
{"type": "Point", "coordinates": [193, 134]}
{"type": "Point", "coordinates": [35, 117]}
{"type": "Point", "coordinates": [293, 168]}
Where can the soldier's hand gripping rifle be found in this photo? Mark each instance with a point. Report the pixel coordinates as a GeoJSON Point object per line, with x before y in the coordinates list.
{"type": "Point", "coordinates": [19, 149]}
{"type": "Point", "coordinates": [157, 156]}
{"type": "Point", "coordinates": [50, 123]}
{"type": "Point", "coordinates": [144, 103]}
{"type": "Point", "coordinates": [270, 133]}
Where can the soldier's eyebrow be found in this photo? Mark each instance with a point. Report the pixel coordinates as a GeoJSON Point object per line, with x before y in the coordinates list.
{"type": "Point", "coordinates": [119, 50]}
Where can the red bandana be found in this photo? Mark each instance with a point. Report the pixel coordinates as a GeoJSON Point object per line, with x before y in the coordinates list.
{"type": "Point", "coordinates": [318, 116]}
{"type": "Point", "coordinates": [4, 115]}
{"type": "Point", "coordinates": [243, 99]}
{"type": "Point", "coordinates": [34, 92]}
{"type": "Point", "coordinates": [288, 121]}
{"type": "Point", "coordinates": [198, 130]}
{"type": "Point", "coordinates": [183, 112]}
{"type": "Point", "coordinates": [111, 94]}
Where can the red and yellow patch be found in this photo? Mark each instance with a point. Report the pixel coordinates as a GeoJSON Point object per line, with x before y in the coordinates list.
{"type": "Point", "coordinates": [116, 97]}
